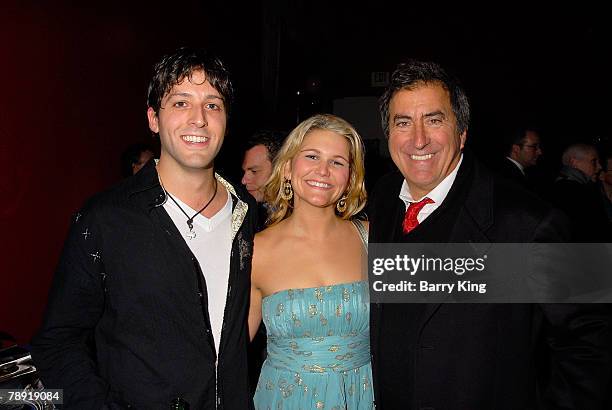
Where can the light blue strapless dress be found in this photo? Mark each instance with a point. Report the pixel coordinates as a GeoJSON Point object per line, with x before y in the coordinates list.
{"type": "Point", "coordinates": [318, 349]}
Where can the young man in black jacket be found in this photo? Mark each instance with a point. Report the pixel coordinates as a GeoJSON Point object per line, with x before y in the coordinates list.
{"type": "Point", "coordinates": [150, 299]}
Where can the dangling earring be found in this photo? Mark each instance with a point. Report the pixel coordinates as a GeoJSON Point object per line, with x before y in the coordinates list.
{"type": "Point", "coordinates": [287, 190]}
{"type": "Point", "coordinates": [341, 204]}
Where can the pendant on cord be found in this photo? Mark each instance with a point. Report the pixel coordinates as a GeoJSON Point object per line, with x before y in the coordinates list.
{"type": "Point", "coordinates": [191, 234]}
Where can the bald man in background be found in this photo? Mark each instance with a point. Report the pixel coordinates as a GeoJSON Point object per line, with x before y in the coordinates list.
{"type": "Point", "coordinates": [575, 192]}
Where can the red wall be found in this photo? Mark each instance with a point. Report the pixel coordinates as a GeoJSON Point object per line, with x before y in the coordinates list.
{"type": "Point", "coordinates": [74, 84]}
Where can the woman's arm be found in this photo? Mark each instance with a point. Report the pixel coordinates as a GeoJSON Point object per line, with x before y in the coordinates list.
{"type": "Point", "coordinates": [256, 295]}
{"type": "Point", "coordinates": [254, 311]}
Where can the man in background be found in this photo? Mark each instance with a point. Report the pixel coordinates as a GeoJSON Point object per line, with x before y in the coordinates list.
{"type": "Point", "coordinates": [524, 150]}
{"type": "Point", "coordinates": [134, 158]}
{"type": "Point", "coordinates": [575, 192]}
{"type": "Point", "coordinates": [262, 147]}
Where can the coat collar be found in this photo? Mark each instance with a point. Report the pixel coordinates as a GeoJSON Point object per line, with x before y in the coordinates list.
{"type": "Point", "coordinates": [144, 187]}
{"type": "Point", "coordinates": [476, 210]}
{"type": "Point", "coordinates": [478, 203]}
{"type": "Point", "coordinates": [475, 216]}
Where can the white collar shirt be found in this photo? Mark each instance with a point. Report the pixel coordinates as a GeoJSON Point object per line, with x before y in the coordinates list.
{"type": "Point", "coordinates": [438, 194]}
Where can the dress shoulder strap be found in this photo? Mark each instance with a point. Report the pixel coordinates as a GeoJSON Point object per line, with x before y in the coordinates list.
{"type": "Point", "coordinates": [363, 233]}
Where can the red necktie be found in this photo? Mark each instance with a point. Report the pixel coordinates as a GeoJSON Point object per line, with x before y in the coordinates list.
{"type": "Point", "coordinates": [410, 219]}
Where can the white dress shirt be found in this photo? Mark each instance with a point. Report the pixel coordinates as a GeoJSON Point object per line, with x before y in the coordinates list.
{"type": "Point", "coordinates": [438, 194]}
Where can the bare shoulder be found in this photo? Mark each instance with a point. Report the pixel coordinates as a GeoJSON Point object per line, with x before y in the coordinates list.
{"type": "Point", "coordinates": [264, 251]}
{"type": "Point", "coordinates": [268, 237]}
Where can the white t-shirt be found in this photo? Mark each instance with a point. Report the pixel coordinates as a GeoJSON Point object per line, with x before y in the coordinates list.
{"type": "Point", "coordinates": [212, 247]}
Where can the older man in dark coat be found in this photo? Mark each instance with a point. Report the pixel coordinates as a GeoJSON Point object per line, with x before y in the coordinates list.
{"type": "Point", "coordinates": [470, 356]}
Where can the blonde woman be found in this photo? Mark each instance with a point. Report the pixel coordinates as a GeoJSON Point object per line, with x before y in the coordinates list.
{"type": "Point", "coordinates": [309, 273]}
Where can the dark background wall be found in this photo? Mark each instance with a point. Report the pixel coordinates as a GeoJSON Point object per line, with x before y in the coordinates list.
{"type": "Point", "coordinates": [74, 83]}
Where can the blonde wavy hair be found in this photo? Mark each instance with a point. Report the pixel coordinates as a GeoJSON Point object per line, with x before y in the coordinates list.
{"type": "Point", "coordinates": [355, 193]}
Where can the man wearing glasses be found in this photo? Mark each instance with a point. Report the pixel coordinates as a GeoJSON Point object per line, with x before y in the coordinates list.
{"type": "Point", "coordinates": [523, 152]}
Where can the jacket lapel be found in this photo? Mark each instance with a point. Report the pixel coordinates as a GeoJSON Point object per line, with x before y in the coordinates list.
{"type": "Point", "coordinates": [475, 217]}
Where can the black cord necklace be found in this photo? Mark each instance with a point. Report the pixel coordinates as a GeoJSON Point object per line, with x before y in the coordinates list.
{"type": "Point", "coordinates": [192, 233]}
